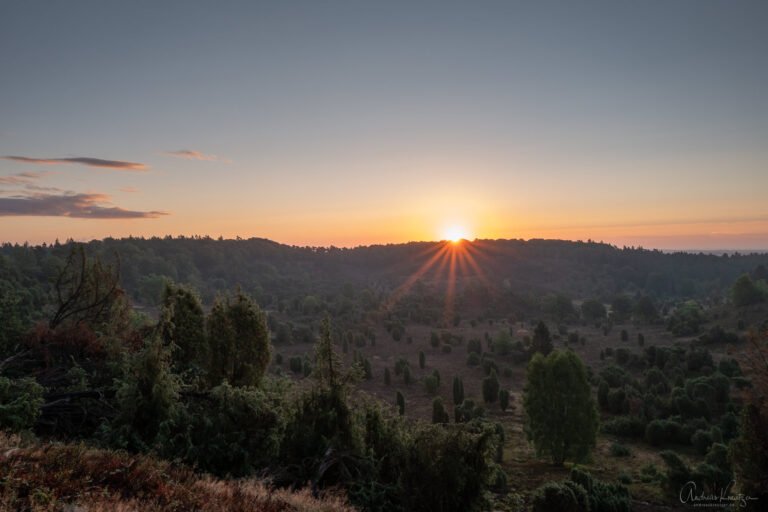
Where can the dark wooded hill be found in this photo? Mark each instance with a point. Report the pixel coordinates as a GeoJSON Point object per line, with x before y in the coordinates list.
{"type": "Point", "coordinates": [271, 271]}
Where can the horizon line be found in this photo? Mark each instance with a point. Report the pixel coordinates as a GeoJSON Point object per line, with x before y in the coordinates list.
{"type": "Point", "coordinates": [724, 250]}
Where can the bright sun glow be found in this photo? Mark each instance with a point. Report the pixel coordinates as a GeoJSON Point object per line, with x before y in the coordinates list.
{"type": "Point", "coordinates": [455, 234]}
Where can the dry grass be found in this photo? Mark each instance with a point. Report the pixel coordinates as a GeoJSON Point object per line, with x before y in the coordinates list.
{"type": "Point", "coordinates": [70, 477]}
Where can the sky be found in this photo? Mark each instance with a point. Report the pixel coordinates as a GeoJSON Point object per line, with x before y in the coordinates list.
{"type": "Point", "coordinates": [355, 122]}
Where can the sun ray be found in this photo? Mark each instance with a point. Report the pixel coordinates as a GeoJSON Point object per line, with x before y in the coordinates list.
{"type": "Point", "coordinates": [447, 263]}
{"type": "Point", "coordinates": [450, 292]}
{"type": "Point", "coordinates": [401, 290]}
{"type": "Point", "coordinates": [460, 250]}
{"type": "Point", "coordinates": [473, 263]}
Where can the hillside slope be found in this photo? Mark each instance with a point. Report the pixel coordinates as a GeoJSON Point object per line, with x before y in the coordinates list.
{"type": "Point", "coordinates": [49, 477]}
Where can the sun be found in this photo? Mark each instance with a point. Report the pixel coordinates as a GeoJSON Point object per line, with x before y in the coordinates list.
{"type": "Point", "coordinates": [455, 234]}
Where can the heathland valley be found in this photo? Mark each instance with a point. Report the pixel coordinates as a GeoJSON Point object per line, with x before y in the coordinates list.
{"type": "Point", "coordinates": [212, 374]}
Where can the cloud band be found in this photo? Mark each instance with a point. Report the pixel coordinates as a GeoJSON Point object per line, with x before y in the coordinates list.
{"type": "Point", "coordinates": [84, 206]}
{"type": "Point", "coordinates": [83, 160]}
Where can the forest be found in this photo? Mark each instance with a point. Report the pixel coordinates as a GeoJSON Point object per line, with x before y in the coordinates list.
{"type": "Point", "coordinates": [212, 374]}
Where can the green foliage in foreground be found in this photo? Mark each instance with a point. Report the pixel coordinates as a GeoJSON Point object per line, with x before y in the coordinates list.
{"type": "Point", "coordinates": [239, 341]}
{"type": "Point", "coordinates": [20, 401]}
{"type": "Point", "coordinates": [581, 493]}
{"type": "Point", "coordinates": [200, 397]}
{"type": "Point", "coordinates": [384, 462]}
{"type": "Point", "coordinates": [147, 397]}
{"type": "Point", "coordinates": [711, 476]}
{"type": "Point", "coordinates": [555, 496]}
{"type": "Point", "coordinates": [229, 431]}
{"type": "Point", "coordinates": [602, 496]}
{"type": "Point", "coordinates": [182, 324]}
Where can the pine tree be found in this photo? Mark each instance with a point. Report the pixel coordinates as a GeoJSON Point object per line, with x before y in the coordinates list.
{"type": "Point", "coordinates": [327, 368]}
{"type": "Point", "coordinates": [422, 360]}
{"type": "Point", "coordinates": [562, 419]}
{"type": "Point", "coordinates": [221, 339]}
{"type": "Point", "coordinates": [458, 390]}
{"type": "Point", "coordinates": [439, 414]}
{"type": "Point", "coordinates": [542, 340]}
{"type": "Point", "coordinates": [147, 396]}
{"type": "Point", "coordinates": [239, 341]}
{"type": "Point", "coordinates": [182, 326]}
{"type": "Point", "coordinates": [252, 343]}
{"type": "Point", "coordinates": [491, 387]}
{"type": "Point", "coordinates": [504, 399]}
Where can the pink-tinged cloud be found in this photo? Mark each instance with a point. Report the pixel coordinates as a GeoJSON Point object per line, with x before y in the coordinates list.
{"type": "Point", "coordinates": [21, 178]}
{"type": "Point", "coordinates": [83, 206]}
{"type": "Point", "coordinates": [38, 188]}
{"type": "Point", "coordinates": [118, 165]}
{"type": "Point", "coordinates": [129, 190]}
{"type": "Point", "coordinates": [191, 154]}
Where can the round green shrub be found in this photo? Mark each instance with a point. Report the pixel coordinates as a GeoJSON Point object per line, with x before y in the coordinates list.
{"type": "Point", "coordinates": [619, 450]}
{"type": "Point", "coordinates": [552, 497]}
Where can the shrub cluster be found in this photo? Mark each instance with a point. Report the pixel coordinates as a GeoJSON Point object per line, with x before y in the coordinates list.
{"type": "Point", "coordinates": [579, 493]}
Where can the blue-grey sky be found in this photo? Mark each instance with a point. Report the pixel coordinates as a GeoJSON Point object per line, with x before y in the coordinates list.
{"type": "Point", "coordinates": [325, 122]}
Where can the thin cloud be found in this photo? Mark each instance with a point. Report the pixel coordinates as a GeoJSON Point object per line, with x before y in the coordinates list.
{"type": "Point", "coordinates": [83, 206]}
{"type": "Point", "coordinates": [32, 175]}
{"type": "Point", "coordinates": [191, 154]}
{"type": "Point", "coordinates": [129, 190]}
{"type": "Point", "coordinates": [13, 180]}
{"type": "Point", "coordinates": [22, 178]}
{"type": "Point", "coordinates": [38, 188]}
{"type": "Point", "coordinates": [118, 165]}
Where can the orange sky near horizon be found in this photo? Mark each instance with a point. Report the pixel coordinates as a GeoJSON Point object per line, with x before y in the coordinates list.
{"type": "Point", "coordinates": [348, 231]}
